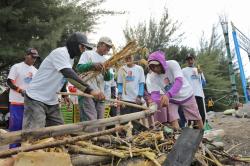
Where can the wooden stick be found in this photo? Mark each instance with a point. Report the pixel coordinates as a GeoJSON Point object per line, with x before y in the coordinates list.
{"type": "Point", "coordinates": [101, 149]}
{"type": "Point", "coordinates": [9, 152]}
{"type": "Point", "coordinates": [80, 150]}
{"type": "Point", "coordinates": [23, 135]}
{"type": "Point", "coordinates": [110, 100]}
{"type": "Point", "coordinates": [216, 161]}
{"type": "Point", "coordinates": [86, 160]}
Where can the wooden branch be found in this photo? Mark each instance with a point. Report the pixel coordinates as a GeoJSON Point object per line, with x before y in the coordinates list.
{"type": "Point", "coordinates": [101, 149]}
{"type": "Point", "coordinates": [213, 157]}
{"type": "Point", "coordinates": [110, 100]}
{"type": "Point", "coordinates": [9, 152]}
{"type": "Point", "coordinates": [23, 135]}
{"type": "Point", "coordinates": [79, 150]}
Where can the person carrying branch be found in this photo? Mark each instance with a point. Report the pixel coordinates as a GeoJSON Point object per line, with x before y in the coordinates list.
{"type": "Point", "coordinates": [92, 109]}
{"type": "Point", "coordinates": [167, 77]}
{"type": "Point", "coordinates": [41, 105]}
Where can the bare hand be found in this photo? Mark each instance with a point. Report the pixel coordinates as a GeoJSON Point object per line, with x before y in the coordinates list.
{"type": "Point", "coordinates": [119, 97]}
{"type": "Point", "coordinates": [98, 95]}
{"type": "Point", "coordinates": [98, 66]}
{"type": "Point", "coordinates": [67, 102]}
{"type": "Point", "coordinates": [199, 71]}
{"type": "Point", "coordinates": [138, 101]}
{"type": "Point", "coordinates": [164, 101]}
{"type": "Point", "coordinates": [22, 92]}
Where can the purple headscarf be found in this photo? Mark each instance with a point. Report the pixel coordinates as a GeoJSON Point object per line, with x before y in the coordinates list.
{"type": "Point", "coordinates": [160, 57]}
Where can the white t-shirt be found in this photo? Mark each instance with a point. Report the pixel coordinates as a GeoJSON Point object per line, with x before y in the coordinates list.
{"type": "Point", "coordinates": [96, 83]}
{"type": "Point", "coordinates": [107, 88]}
{"type": "Point", "coordinates": [164, 82]}
{"type": "Point", "coordinates": [49, 80]}
{"type": "Point", "coordinates": [194, 79]}
{"type": "Point", "coordinates": [22, 74]}
{"type": "Point", "coordinates": [130, 77]}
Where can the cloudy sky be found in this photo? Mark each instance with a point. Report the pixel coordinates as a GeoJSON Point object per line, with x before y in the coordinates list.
{"type": "Point", "coordinates": [196, 17]}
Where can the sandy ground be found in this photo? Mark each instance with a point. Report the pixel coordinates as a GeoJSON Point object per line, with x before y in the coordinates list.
{"type": "Point", "coordinates": [237, 132]}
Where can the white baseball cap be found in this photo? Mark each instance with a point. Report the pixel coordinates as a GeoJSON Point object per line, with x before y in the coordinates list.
{"type": "Point", "coordinates": [106, 40]}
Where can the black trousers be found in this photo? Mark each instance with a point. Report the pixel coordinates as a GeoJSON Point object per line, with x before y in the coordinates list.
{"type": "Point", "coordinates": [200, 103]}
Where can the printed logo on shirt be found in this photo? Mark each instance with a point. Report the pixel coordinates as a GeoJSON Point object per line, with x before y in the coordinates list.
{"type": "Point", "coordinates": [106, 87]}
{"type": "Point", "coordinates": [28, 77]}
{"type": "Point", "coordinates": [167, 84]}
{"type": "Point", "coordinates": [130, 77]}
{"type": "Point", "coordinates": [194, 75]}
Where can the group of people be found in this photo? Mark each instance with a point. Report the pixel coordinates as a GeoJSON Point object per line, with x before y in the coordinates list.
{"type": "Point", "coordinates": [34, 98]}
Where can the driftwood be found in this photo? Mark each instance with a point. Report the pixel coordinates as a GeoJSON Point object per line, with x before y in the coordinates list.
{"type": "Point", "coordinates": [60, 130]}
{"type": "Point", "coordinates": [9, 152]}
{"type": "Point", "coordinates": [85, 160]}
{"type": "Point", "coordinates": [79, 150]}
{"type": "Point", "coordinates": [184, 148]}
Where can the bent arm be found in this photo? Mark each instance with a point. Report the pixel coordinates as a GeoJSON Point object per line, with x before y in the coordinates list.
{"type": "Point", "coordinates": [70, 73]}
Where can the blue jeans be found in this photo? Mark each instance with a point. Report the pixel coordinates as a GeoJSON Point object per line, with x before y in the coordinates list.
{"type": "Point", "coordinates": [16, 120]}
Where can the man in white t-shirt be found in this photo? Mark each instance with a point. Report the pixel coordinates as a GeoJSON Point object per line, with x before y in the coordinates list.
{"type": "Point", "coordinates": [93, 61]}
{"type": "Point", "coordinates": [130, 82]}
{"type": "Point", "coordinates": [41, 106]}
{"type": "Point", "coordinates": [196, 79]}
{"type": "Point", "coordinates": [19, 78]}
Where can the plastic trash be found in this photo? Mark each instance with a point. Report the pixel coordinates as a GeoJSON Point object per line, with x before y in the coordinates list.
{"type": "Point", "coordinates": [210, 114]}
{"type": "Point", "coordinates": [229, 112]}
{"type": "Point", "coordinates": [168, 130]}
{"type": "Point", "coordinates": [214, 134]}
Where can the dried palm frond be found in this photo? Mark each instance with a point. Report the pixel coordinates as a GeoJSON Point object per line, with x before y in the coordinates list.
{"type": "Point", "coordinates": [130, 49]}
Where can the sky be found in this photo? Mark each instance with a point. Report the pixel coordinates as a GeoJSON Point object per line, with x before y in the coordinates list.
{"type": "Point", "coordinates": [195, 16]}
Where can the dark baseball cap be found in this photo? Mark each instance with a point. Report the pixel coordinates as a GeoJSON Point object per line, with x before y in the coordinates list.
{"type": "Point", "coordinates": [33, 52]}
{"type": "Point", "coordinates": [82, 39]}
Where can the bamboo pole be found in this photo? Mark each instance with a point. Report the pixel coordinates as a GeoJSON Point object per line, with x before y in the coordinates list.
{"type": "Point", "coordinates": [23, 135]}
{"type": "Point", "coordinates": [9, 152]}
{"type": "Point", "coordinates": [110, 100]}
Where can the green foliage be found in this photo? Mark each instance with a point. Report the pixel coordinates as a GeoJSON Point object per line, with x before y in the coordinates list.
{"type": "Point", "coordinates": [43, 24]}
{"type": "Point", "coordinates": [178, 53]}
{"type": "Point", "coordinates": [212, 59]}
{"type": "Point", "coordinates": [154, 35]}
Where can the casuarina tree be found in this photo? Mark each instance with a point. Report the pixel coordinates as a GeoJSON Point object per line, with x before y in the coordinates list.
{"type": "Point", "coordinates": [43, 24]}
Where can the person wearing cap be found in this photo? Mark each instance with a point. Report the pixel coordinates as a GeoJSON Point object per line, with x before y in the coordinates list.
{"type": "Point", "coordinates": [167, 77]}
{"type": "Point", "coordinates": [41, 105]}
{"type": "Point", "coordinates": [197, 80]}
{"type": "Point", "coordinates": [19, 78]}
{"type": "Point", "coordinates": [130, 81]}
{"type": "Point", "coordinates": [93, 61]}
